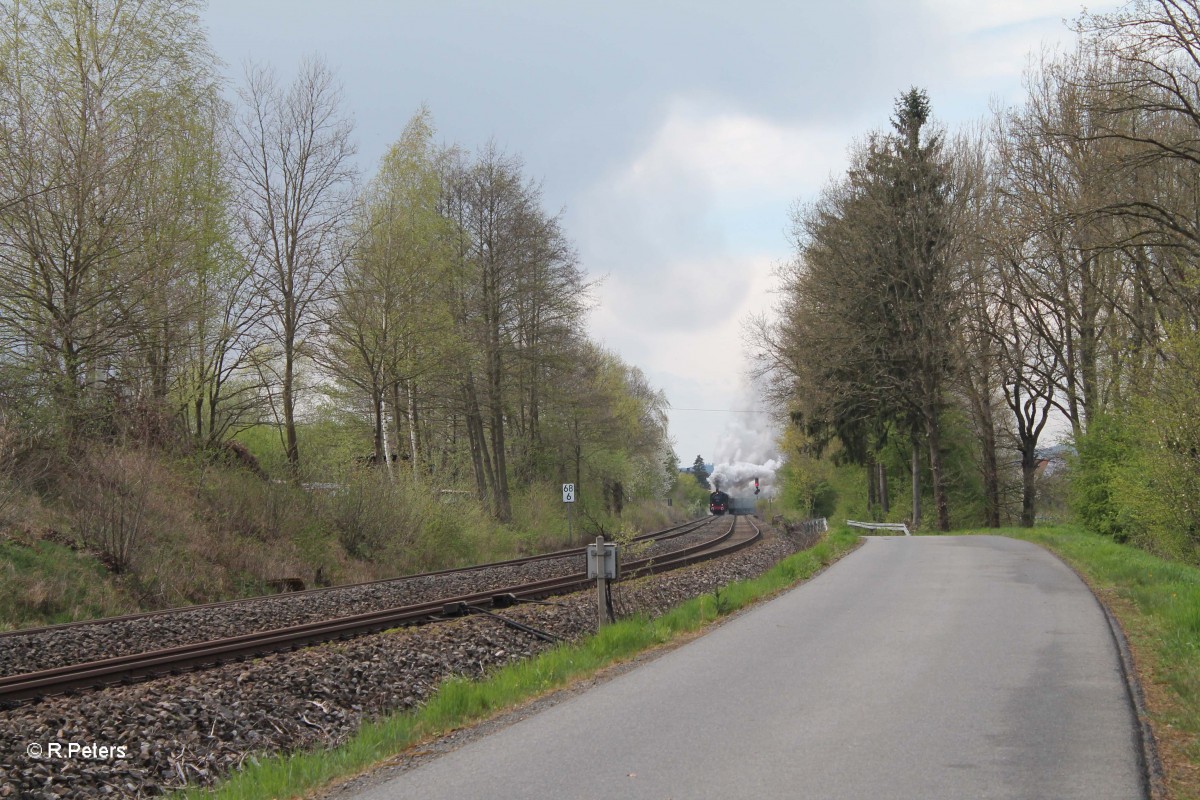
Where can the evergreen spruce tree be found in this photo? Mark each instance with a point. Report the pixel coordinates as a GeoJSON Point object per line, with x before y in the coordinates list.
{"type": "Point", "coordinates": [700, 471]}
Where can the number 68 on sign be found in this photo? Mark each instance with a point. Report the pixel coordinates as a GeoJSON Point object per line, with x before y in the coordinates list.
{"type": "Point", "coordinates": [568, 493]}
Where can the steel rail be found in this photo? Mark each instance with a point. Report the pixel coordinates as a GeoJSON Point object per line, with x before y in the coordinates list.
{"type": "Point", "coordinates": [175, 660]}
{"type": "Point", "coordinates": [660, 535]}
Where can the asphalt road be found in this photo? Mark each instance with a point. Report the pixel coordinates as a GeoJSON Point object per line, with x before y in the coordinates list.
{"type": "Point", "coordinates": [973, 667]}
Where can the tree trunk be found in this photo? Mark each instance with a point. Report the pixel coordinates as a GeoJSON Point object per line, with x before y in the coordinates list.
{"type": "Point", "coordinates": [387, 450]}
{"type": "Point", "coordinates": [214, 402]}
{"type": "Point", "coordinates": [871, 496]}
{"type": "Point", "coordinates": [933, 430]}
{"type": "Point", "coordinates": [988, 467]}
{"type": "Point", "coordinates": [916, 484]}
{"type": "Point", "coordinates": [503, 504]}
{"type": "Point", "coordinates": [414, 437]}
{"type": "Point", "coordinates": [198, 411]}
{"type": "Point", "coordinates": [1089, 346]}
{"type": "Point", "coordinates": [496, 388]}
{"type": "Point", "coordinates": [535, 431]}
{"type": "Point", "coordinates": [1028, 484]}
{"type": "Point", "coordinates": [991, 479]}
{"type": "Point", "coordinates": [884, 500]}
{"type": "Point", "coordinates": [381, 454]}
{"type": "Point", "coordinates": [578, 453]}
{"type": "Point", "coordinates": [981, 410]}
{"type": "Point", "coordinates": [476, 441]}
{"type": "Point", "coordinates": [289, 414]}
{"type": "Point", "coordinates": [397, 424]}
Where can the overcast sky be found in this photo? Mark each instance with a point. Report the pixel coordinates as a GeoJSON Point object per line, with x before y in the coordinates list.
{"type": "Point", "coordinates": [674, 136]}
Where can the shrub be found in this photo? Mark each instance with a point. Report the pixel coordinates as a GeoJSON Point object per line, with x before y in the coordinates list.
{"type": "Point", "coordinates": [405, 525]}
{"type": "Point", "coordinates": [369, 514]}
{"type": "Point", "coordinates": [807, 487]}
{"type": "Point", "coordinates": [120, 499]}
{"type": "Point", "coordinates": [1102, 454]}
{"type": "Point", "coordinates": [8, 490]}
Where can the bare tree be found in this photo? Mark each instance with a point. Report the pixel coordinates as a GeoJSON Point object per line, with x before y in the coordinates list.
{"type": "Point", "coordinates": [1055, 175]}
{"type": "Point", "coordinates": [218, 387]}
{"type": "Point", "coordinates": [293, 165]}
{"type": "Point", "coordinates": [978, 367]}
{"type": "Point", "coordinates": [1150, 100]}
{"type": "Point", "coordinates": [519, 289]}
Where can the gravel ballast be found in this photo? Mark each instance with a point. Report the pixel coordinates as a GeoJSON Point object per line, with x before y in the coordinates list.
{"type": "Point", "coordinates": [192, 729]}
{"type": "Point", "coordinates": [76, 644]}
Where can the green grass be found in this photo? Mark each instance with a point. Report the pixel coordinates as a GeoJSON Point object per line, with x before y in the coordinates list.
{"type": "Point", "coordinates": [1158, 605]}
{"type": "Point", "coordinates": [44, 583]}
{"type": "Point", "coordinates": [461, 702]}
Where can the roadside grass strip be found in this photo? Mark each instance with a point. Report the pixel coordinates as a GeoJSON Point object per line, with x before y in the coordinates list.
{"type": "Point", "coordinates": [460, 702]}
{"type": "Point", "coordinates": [1158, 604]}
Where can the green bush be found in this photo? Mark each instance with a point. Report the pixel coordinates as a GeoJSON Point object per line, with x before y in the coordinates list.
{"type": "Point", "coordinates": [1103, 454]}
{"type": "Point", "coordinates": [690, 497]}
{"type": "Point", "coordinates": [807, 487]}
{"type": "Point", "coordinates": [960, 472]}
{"type": "Point", "coordinates": [540, 519]}
{"type": "Point", "coordinates": [404, 525]}
{"type": "Point", "coordinates": [1166, 477]}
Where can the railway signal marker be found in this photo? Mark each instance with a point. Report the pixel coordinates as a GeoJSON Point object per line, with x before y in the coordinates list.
{"type": "Point", "coordinates": [569, 497]}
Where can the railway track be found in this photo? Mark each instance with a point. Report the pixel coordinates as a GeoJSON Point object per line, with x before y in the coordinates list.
{"type": "Point", "coordinates": [37, 649]}
{"type": "Point", "coordinates": [173, 660]}
{"type": "Point", "coordinates": [661, 535]}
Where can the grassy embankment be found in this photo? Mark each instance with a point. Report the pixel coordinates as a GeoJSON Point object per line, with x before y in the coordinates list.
{"type": "Point", "coordinates": [237, 533]}
{"type": "Point", "coordinates": [45, 583]}
{"type": "Point", "coordinates": [461, 702]}
{"type": "Point", "coordinates": [108, 537]}
{"type": "Point", "coordinates": [1158, 604]}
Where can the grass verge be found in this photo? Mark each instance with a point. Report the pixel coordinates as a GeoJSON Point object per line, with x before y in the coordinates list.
{"type": "Point", "coordinates": [460, 702]}
{"type": "Point", "coordinates": [1158, 604]}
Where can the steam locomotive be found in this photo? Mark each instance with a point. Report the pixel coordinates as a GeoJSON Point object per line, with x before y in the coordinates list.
{"type": "Point", "coordinates": [718, 503]}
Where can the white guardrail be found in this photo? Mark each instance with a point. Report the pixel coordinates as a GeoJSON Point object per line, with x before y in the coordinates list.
{"type": "Point", "coordinates": [880, 526]}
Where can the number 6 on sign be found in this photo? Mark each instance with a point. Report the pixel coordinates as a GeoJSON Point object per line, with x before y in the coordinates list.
{"type": "Point", "coordinates": [568, 493]}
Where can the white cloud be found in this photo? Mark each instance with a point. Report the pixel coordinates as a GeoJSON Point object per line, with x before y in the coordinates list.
{"type": "Point", "coordinates": [991, 40]}
{"type": "Point", "coordinates": [974, 16]}
{"type": "Point", "coordinates": [1000, 57]}
{"type": "Point", "coordinates": [733, 153]}
{"type": "Point", "coordinates": [687, 232]}
{"type": "Point", "coordinates": [699, 359]}
{"type": "Point", "coordinates": [685, 317]}
{"type": "Point", "coordinates": [710, 181]}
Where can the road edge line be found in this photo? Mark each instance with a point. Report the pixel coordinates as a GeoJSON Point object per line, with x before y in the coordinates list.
{"type": "Point", "coordinates": [1149, 764]}
{"type": "Point", "coordinates": [1152, 768]}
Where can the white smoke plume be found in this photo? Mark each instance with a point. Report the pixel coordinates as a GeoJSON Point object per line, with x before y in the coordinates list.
{"type": "Point", "coordinates": [747, 450]}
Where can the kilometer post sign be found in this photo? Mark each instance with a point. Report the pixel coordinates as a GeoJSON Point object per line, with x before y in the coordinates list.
{"type": "Point", "coordinates": [569, 497]}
